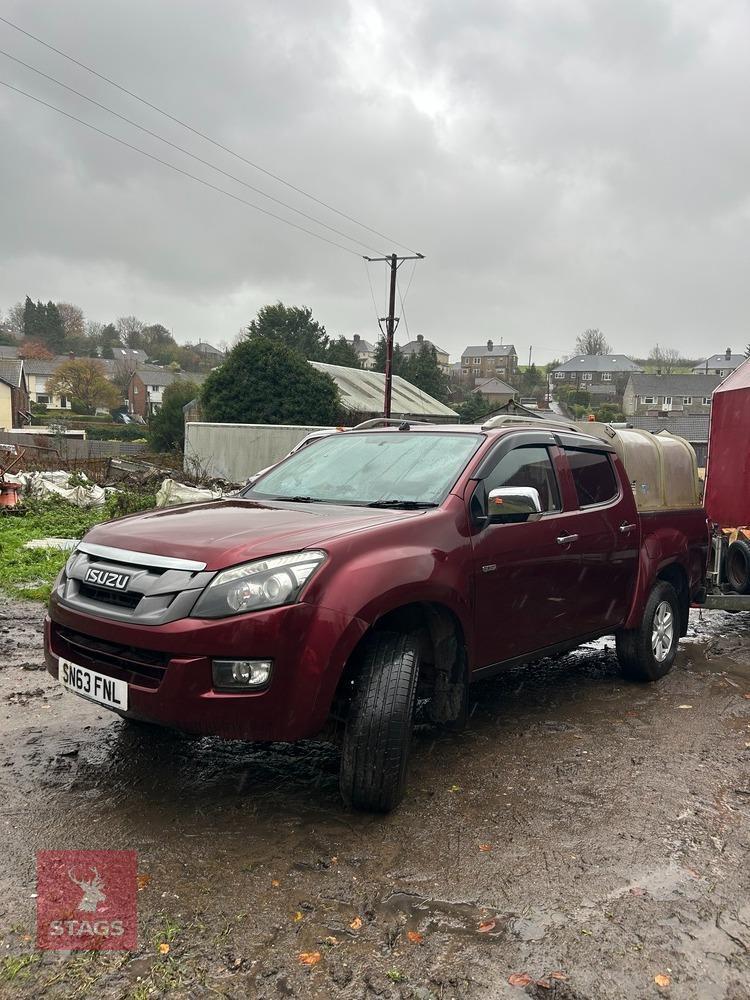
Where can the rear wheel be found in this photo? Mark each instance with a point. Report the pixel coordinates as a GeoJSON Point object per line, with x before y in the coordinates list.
{"type": "Point", "coordinates": [379, 726]}
{"type": "Point", "coordinates": [648, 652]}
{"type": "Point", "coordinates": [737, 566]}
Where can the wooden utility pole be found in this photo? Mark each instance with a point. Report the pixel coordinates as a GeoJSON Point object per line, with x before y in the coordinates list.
{"type": "Point", "coordinates": [394, 262]}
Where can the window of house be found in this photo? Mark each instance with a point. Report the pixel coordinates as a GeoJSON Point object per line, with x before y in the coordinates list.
{"type": "Point", "coordinates": [648, 400]}
{"type": "Point", "coordinates": [42, 398]}
{"type": "Point", "coordinates": [687, 400]}
{"type": "Point", "coordinates": [717, 371]}
{"type": "Point", "coordinates": [667, 400]}
{"type": "Point", "coordinates": [706, 400]}
{"type": "Point", "coordinates": [135, 390]}
{"type": "Point", "coordinates": [586, 376]}
{"type": "Point", "coordinates": [559, 374]}
{"type": "Point", "coordinates": [607, 377]}
{"type": "Point", "coordinates": [63, 402]}
{"type": "Point", "coordinates": [593, 476]}
{"type": "Point", "coordinates": [154, 388]}
{"type": "Point", "coordinates": [530, 466]}
{"type": "Point", "coordinates": [465, 371]}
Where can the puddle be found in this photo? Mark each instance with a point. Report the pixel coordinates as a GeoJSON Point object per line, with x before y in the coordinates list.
{"type": "Point", "coordinates": [429, 916]}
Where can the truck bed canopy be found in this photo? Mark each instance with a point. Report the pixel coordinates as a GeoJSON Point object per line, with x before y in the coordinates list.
{"type": "Point", "coordinates": [727, 497]}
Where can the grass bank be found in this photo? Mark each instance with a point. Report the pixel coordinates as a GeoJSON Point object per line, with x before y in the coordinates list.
{"type": "Point", "coordinates": [30, 573]}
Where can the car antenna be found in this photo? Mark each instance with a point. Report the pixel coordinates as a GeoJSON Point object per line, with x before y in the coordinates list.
{"type": "Point", "coordinates": [405, 426]}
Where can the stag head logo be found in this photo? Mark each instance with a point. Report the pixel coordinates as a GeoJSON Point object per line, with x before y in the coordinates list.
{"type": "Point", "coordinates": [93, 891]}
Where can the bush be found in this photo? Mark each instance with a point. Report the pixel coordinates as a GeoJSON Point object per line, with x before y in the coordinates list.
{"type": "Point", "coordinates": [38, 408]}
{"type": "Point", "coordinates": [166, 430]}
{"type": "Point", "coordinates": [78, 406]}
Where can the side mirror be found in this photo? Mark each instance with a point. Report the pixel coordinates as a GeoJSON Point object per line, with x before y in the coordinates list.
{"type": "Point", "coordinates": [513, 503]}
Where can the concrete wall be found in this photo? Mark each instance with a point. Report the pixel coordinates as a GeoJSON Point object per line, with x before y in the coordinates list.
{"type": "Point", "coordinates": [236, 451]}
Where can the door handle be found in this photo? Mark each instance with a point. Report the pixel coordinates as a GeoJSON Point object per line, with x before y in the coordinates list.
{"type": "Point", "coordinates": [566, 539]}
{"type": "Point", "coordinates": [625, 529]}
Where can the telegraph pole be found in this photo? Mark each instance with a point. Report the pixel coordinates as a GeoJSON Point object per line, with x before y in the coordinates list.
{"type": "Point", "coordinates": [394, 262]}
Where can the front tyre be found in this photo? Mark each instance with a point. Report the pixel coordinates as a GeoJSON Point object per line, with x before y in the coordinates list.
{"type": "Point", "coordinates": [379, 726]}
{"type": "Point", "coordinates": [647, 653]}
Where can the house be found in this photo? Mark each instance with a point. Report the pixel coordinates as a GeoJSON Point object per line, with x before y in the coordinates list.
{"type": "Point", "coordinates": [8, 352]}
{"type": "Point", "coordinates": [362, 393]}
{"type": "Point", "coordinates": [14, 396]}
{"type": "Point", "coordinates": [487, 360]}
{"type": "Point", "coordinates": [495, 391]}
{"type": "Point", "coordinates": [208, 351]}
{"type": "Point", "coordinates": [603, 375]}
{"type": "Point", "coordinates": [37, 373]}
{"type": "Point", "coordinates": [146, 388]}
{"type": "Point", "coordinates": [365, 350]}
{"type": "Point", "coordinates": [656, 394]}
{"type": "Point", "coordinates": [720, 364]}
{"type": "Point", "coordinates": [415, 346]}
{"type": "Point", "coordinates": [129, 356]}
{"type": "Point", "coordinates": [694, 428]}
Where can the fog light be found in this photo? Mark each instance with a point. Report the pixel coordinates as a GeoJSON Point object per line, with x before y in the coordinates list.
{"type": "Point", "coordinates": [238, 675]}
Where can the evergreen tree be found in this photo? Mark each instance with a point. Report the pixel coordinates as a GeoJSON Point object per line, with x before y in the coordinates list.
{"type": "Point", "coordinates": [341, 352]}
{"type": "Point", "coordinates": [422, 370]}
{"type": "Point", "coordinates": [267, 382]}
{"type": "Point", "coordinates": [166, 431]}
{"type": "Point", "coordinates": [292, 326]}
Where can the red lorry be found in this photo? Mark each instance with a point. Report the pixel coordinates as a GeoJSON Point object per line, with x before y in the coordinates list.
{"type": "Point", "coordinates": [370, 572]}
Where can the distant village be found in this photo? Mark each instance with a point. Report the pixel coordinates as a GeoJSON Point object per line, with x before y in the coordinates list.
{"type": "Point", "coordinates": [123, 370]}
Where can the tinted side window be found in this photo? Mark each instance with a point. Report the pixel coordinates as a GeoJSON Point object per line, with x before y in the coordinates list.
{"type": "Point", "coordinates": [530, 466]}
{"type": "Point", "coordinates": [593, 475]}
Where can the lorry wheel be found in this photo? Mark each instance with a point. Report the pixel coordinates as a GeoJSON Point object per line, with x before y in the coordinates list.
{"type": "Point", "coordinates": [379, 726]}
{"type": "Point", "coordinates": [738, 566]}
{"type": "Point", "coordinates": [647, 653]}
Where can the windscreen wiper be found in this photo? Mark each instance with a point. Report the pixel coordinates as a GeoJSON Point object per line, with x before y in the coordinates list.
{"type": "Point", "coordinates": [298, 499]}
{"type": "Point", "coordinates": [403, 504]}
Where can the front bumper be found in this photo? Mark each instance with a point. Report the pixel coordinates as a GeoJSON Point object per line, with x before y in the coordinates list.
{"type": "Point", "coordinates": [168, 667]}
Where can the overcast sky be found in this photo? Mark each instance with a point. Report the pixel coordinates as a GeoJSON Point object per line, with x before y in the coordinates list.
{"type": "Point", "coordinates": [560, 164]}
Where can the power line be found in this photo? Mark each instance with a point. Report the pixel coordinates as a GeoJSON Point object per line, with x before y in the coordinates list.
{"type": "Point", "coordinates": [202, 135]}
{"type": "Point", "coordinates": [181, 149]}
{"type": "Point", "coordinates": [179, 170]}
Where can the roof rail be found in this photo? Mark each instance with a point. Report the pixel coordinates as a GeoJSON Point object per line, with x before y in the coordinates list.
{"type": "Point", "coordinates": [504, 420]}
{"type": "Point", "coordinates": [387, 421]}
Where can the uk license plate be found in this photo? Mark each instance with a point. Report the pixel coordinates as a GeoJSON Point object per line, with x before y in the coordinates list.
{"type": "Point", "coordinates": [96, 687]}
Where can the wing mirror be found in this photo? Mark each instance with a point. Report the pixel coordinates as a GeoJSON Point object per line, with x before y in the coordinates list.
{"type": "Point", "coordinates": [511, 504]}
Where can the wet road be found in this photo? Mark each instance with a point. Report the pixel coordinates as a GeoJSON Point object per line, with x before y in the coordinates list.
{"type": "Point", "coordinates": [581, 826]}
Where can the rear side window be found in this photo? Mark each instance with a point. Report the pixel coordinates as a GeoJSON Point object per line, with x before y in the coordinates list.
{"type": "Point", "coordinates": [593, 475]}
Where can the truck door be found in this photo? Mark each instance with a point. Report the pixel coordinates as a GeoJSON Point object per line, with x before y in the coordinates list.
{"type": "Point", "coordinates": [524, 578]}
{"type": "Point", "coordinates": [607, 527]}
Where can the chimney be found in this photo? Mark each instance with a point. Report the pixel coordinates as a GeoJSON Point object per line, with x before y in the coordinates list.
{"type": "Point", "coordinates": [728, 355]}
{"type": "Point", "coordinates": [356, 338]}
{"type": "Point", "coordinates": [489, 345]}
{"type": "Point", "coordinates": [420, 338]}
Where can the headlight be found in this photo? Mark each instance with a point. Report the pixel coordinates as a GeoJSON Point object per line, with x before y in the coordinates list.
{"type": "Point", "coordinates": [267, 583]}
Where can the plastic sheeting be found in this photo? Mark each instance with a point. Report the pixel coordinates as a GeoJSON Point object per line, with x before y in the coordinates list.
{"type": "Point", "coordinates": [58, 484]}
{"type": "Point", "coordinates": [171, 493]}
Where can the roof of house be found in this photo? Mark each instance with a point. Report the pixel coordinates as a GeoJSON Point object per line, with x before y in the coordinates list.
{"type": "Point", "coordinates": [6, 351]}
{"type": "Point", "coordinates": [489, 349]}
{"type": "Point", "coordinates": [673, 385]}
{"type": "Point", "coordinates": [720, 361]}
{"type": "Point", "coordinates": [598, 363]}
{"type": "Point", "coordinates": [45, 366]}
{"type": "Point", "coordinates": [361, 346]}
{"type": "Point", "coordinates": [11, 372]}
{"type": "Point", "coordinates": [362, 391]}
{"type": "Point", "coordinates": [494, 386]}
{"type": "Point", "coordinates": [203, 348]}
{"type": "Point", "coordinates": [693, 428]}
{"type": "Point", "coordinates": [414, 345]}
{"type": "Point", "coordinates": [129, 354]}
{"type": "Point", "coordinates": [165, 376]}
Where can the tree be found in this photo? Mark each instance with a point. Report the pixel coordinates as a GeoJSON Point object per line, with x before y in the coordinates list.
{"type": "Point", "coordinates": [592, 341]}
{"type": "Point", "coordinates": [32, 349]}
{"type": "Point", "coordinates": [6, 337]}
{"type": "Point", "coordinates": [293, 326]}
{"type": "Point", "coordinates": [667, 359]}
{"type": "Point", "coordinates": [14, 320]}
{"type": "Point", "coordinates": [72, 320]}
{"type": "Point", "coordinates": [474, 409]}
{"type": "Point", "coordinates": [423, 371]}
{"type": "Point", "coordinates": [166, 430]}
{"type": "Point", "coordinates": [129, 329]}
{"type": "Point", "coordinates": [341, 352]}
{"type": "Point", "coordinates": [399, 361]}
{"type": "Point", "coordinates": [266, 382]}
{"type": "Point", "coordinates": [83, 379]}
{"type": "Point", "coordinates": [44, 323]}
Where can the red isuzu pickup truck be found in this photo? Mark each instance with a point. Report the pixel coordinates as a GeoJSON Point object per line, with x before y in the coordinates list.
{"type": "Point", "coordinates": [372, 571]}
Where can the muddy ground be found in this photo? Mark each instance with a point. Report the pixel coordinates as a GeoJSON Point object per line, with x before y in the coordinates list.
{"type": "Point", "coordinates": [581, 826]}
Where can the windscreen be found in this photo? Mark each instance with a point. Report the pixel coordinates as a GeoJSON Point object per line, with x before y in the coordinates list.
{"type": "Point", "coordinates": [371, 468]}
